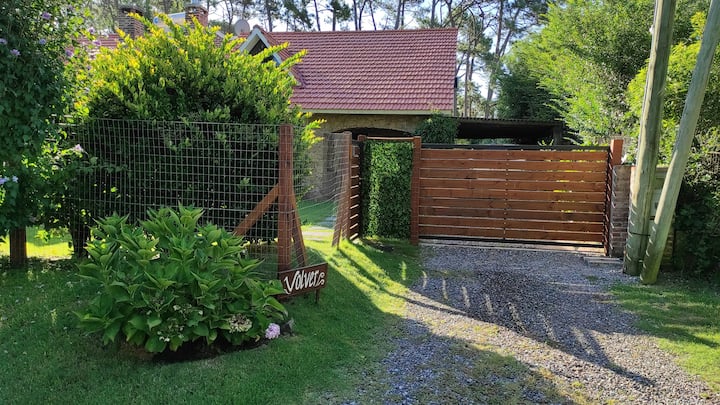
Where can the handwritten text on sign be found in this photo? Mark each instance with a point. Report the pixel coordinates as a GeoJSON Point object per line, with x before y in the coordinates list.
{"type": "Point", "coordinates": [304, 280]}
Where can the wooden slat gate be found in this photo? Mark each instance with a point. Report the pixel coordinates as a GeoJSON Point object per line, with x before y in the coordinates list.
{"type": "Point", "coordinates": [530, 194]}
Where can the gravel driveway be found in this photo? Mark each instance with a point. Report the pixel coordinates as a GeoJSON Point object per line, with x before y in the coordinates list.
{"type": "Point", "coordinates": [498, 325]}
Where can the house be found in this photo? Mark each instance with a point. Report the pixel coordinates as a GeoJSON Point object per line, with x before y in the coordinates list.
{"type": "Point", "coordinates": [369, 82]}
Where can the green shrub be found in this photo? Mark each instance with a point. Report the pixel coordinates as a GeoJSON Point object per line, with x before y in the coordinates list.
{"type": "Point", "coordinates": [438, 129]}
{"type": "Point", "coordinates": [172, 281]}
{"type": "Point", "coordinates": [387, 173]}
{"type": "Point", "coordinates": [697, 216]}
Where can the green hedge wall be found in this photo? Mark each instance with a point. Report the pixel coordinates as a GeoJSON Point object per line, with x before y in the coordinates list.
{"type": "Point", "coordinates": [387, 170]}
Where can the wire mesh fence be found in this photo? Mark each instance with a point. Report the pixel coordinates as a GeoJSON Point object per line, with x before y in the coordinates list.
{"type": "Point", "coordinates": [231, 171]}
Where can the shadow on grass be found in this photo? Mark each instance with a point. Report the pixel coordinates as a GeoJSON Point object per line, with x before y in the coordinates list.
{"type": "Point", "coordinates": [335, 354]}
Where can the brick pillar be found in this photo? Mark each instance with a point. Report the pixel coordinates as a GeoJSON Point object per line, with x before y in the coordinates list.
{"type": "Point", "coordinates": [129, 25]}
{"type": "Point", "coordinates": [619, 209]}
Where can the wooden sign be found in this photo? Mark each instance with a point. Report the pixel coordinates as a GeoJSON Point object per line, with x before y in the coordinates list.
{"type": "Point", "coordinates": [304, 279]}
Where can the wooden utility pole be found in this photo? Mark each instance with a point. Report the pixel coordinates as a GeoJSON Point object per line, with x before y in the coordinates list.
{"type": "Point", "coordinates": [683, 142]}
{"type": "Point", "coordinates": [649, 139]}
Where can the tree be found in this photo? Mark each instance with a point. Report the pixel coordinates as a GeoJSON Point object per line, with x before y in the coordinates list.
{"type": "Point", "coordinates": [520, 95]}
{"type": "Point", "coordinates": [586, 54]}
{"type": "Point", "coordinates": [36, 39]}
{"type": "Point", "coordinates": [340, 12]}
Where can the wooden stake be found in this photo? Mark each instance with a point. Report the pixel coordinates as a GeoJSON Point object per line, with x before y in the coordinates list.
{"type": "Point", "coordinates": [285, 182]}
{"type": "Point", "coordinates": [683, 142]}
{"type": "Point", "coordinates": [641, 189]}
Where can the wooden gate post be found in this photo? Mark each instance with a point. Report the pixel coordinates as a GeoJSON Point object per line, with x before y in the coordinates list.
{"type": "Point", "coordinates": [415, 192]}
{"type": "Point", "coordinates": [285, 194]}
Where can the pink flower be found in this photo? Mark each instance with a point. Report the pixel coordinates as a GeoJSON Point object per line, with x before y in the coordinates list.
{"type": "Point", "coordinates": [15, 52]}
{"type": "Point", "coordinates": [272, 331]}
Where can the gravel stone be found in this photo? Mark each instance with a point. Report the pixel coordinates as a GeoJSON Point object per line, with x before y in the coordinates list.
{"type": "Point", "coordinates": [545, 315]}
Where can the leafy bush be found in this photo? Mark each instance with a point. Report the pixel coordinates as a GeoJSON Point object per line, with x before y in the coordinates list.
{"type": "Point", "coordinates": [697, 217]}
{"type": "Point", "coordinates": [172, 281]}
{"type": "Point", "coordinates": [438, 129]}
{"type": "Point", "coordinates": [387, 168]}
{"type": "Point", "coordinates": [35, 41]}
{"type": "Point", "coordinates": [167, 85]}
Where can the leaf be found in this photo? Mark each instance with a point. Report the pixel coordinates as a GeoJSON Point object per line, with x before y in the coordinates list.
{"type": "Point", "coordinates": [155, 345]}
{"type": "Point", "coordinates": [153, 321]}
{"type": "Point", "coordinates": [112, 330]}
{"type": "Point", "coordinates": [139, 322]}
{"type": "Point", "coordinates": [201, 329]}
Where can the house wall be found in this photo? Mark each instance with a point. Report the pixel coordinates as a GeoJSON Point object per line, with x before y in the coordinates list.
{"type": "Point", "coordinates": [342, 122]}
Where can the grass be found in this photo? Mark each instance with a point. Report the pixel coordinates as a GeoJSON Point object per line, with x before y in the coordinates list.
{"type": "Point", "coordinates": [337, 342]}
{"type": "Point", "coordinates": [42, 244]}
{"type": "Point", "coordinates": [336, 348]}
{"type": "Point", "coordinates": [685, 316]}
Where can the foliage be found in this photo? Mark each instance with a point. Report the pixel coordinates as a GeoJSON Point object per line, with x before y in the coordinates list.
{"type": "Point", "coordinates": [181, 74]}
{"type": "Point", "coordinates": [387, 173]}
{"type": "Point", "coordinates": [172, 281]}
{"type": "Point", "coordinates": [438, 129]}
{"type": "Point", "coordinates": [586, 55]}
{"type": "Point", "coordinates": [36, 38]}
{"type": "Point", "coordinates": [521, 96]}
{"type": "Point", "coordinates": [697, 217]}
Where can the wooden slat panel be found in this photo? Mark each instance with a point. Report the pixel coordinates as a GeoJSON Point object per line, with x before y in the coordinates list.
{"type": "Point", "coordinates": [480, 173]}
{"type": "Point", "coordinates": [527, 234]}
{"type": "Point", "coordinates": [583, 196]}
{"type": "Point", "coordinates": [517, 165]}
{"type": "Point", "coordinates": [516, 205]}
{"type": "Point", "coordinates": [513, 185]}
{"type": "Point", "coordinates": [533, 155]}
{"type": "Point", "coordinates": [514, 214]}
{"type": "Point", "coordinates": [518, 235]}
{"type": "Point", "coordinates": [513, 224]}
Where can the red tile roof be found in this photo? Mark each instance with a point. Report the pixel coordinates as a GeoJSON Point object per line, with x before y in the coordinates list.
{"type": "Point", "coordinates": [374, 71]}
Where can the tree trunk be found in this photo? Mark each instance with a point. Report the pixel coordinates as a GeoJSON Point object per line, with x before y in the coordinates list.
{"type": "Point", "coordinates": [317, 15]}
{"type": "Point", "coordinates": [268, 12]}
{"type": "Point", "coordinates": [18, 248]}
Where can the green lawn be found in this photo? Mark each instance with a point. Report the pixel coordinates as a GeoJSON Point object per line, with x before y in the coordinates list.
{"type": "Point", "coordinates": [685, 316]}
{"type": "Point", "coordinates": [42, 244]}
{"type": "Point", "coordinates": [335, 350]}
{"type": "Point", "coordinates": [46, 358]}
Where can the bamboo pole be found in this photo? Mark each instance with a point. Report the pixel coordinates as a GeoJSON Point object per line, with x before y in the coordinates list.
{"type": "Point", "coordinates": [683, 142]}
{"type": "Point", "coordinates": [649, 139]}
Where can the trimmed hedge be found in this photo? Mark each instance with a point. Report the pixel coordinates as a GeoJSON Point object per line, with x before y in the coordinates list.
{"type": "Point", "coordinates": [386, 189]}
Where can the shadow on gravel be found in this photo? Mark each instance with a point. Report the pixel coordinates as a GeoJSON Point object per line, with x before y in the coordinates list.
{"type": "Point", "coordinates": [550, 297]}
{"type": "Point", "coordinates": [428, 368]}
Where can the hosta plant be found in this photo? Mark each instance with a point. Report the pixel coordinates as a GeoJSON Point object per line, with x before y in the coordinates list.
{"type": "Point", "coordinates": [172, 281]}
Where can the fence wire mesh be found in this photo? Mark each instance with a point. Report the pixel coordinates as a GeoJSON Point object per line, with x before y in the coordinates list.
{"type": "Point", "coordinates": [225, 169]}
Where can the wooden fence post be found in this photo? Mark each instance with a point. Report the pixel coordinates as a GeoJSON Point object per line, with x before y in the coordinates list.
{"type": "Point", "coordinates": [285, 194]}
{"type": "Point", "coordinates": [342, 219]}
{"type": "Point", "coordinates": [415, 192]}
{"type": "Point", "coordinates": [614, 159]}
